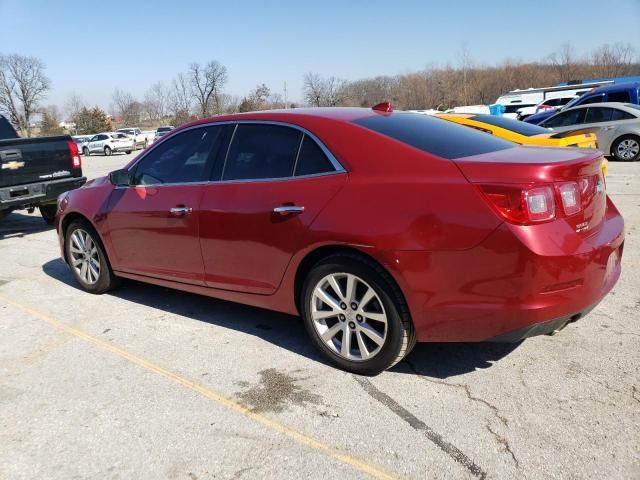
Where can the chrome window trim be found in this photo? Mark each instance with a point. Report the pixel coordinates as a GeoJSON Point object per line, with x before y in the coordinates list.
{"type": "Point", "coordinates": [332, 159]}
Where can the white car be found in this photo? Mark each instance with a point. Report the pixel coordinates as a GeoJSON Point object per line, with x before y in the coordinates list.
{"type": "Point", "coordinates": [108, 143]}
{"type": "Point", "coordinates": [81, 140]}
{"type": "Point", "coordinates": [141, 139]}
{"type": "Point", "coordinates": [548, 104]}
{"type": "Point", "coordinates": [162, 131]}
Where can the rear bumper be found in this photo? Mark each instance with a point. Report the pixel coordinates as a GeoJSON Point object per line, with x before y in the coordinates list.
{"type": "Point", "coordinates": [519, 282]}
{"type": "Point", "coordinates": [33, 194]}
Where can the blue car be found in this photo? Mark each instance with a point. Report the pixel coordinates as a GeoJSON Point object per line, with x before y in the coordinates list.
{"type": "Point", "coordinates": [623, 92]}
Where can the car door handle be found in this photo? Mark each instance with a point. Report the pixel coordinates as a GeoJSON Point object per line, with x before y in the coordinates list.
{"type": "Point", "coordinates": [610, 127]}
{"type": "Point", "coordinates": [180, 211]}
{"type": "Point", "coordinates": [288, 210]}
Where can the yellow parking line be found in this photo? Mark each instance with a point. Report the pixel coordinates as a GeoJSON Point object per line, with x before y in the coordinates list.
{"type": "Point", "coordinates": [208, 393]}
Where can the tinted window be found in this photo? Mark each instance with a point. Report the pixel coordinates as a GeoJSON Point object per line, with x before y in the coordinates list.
{"type": "Point", "coordinates": [597, 115]}
{"type": "Point", "coordinates": [564, 119]}
{"type": "Point", "coordinates": [522, 128]}
{"type": "Point", "coordinates": [619, 97]}
{"type": "Point", "coordinates": [621, 115]}
{"type": "Point", "coordinates": [311, 159]}
{"type": "Point", "coordinates": [594, 99]}
{"type": "Point", "coordinates": [184, 158]}
{"type": "Point", "coordinates": [434, 135]}
{"type": "Point", "coordinates": [262, 151]}
{"type": "Point", "coordinates": [103, 137]}
{"type": "Point", "coordinates": [6, 130]}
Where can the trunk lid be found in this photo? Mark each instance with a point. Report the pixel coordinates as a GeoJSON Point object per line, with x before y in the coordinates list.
{"type": "Point", "coordinates": [32, 160]}
{"type": "Point", "coordinates": [557, 167]}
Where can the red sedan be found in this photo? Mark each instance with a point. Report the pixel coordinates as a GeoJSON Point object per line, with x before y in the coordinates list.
{"type": "Point", "coordinates": [379, 228]}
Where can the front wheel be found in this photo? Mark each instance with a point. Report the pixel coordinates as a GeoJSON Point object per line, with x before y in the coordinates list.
{"type": "Point", "coordinates": [107, 151]}
{"type": "Point", "coordinates": [48, 212]}
{"type": "Point", "coordinates": [356, 315]}
{"type": "Point", "coordinates": [87, 259]}
{"type": "Point", "coordinates": [86, 152]}
{"type": "Point", "coordinates": [626, 148]}
{"type": "Point", "coordinates": [128, 152]}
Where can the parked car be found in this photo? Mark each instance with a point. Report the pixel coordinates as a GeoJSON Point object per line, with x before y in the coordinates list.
{"type": "Point", "coordinates": [81, 140]}
{"type": "Point", "coordinates": [161, 132]}
{"type": "Point", "coordinates": [475, 238]}
{"type": "Point", "coordinates": [108, 143]}
{"type": "Point", "coordinates": [549, 104]}
{"type": "Point", "coordinates": [617, 126]}
{"type": "Point", "coordinates": [34, 171]}
{"type": "Point", "coordinates": [140, 139]}
{"type": "Point", "coordinates": [520, 132]}
{"type": "Point", "coordinates": [623, 93]}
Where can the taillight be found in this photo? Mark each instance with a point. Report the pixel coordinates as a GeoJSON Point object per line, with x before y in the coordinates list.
{"type": "Point", "coordinates": [74, 153]}
{"type": "Point", "coordinates": [571, 198]}
{"type": "Point", "coordinates": [522, 204]}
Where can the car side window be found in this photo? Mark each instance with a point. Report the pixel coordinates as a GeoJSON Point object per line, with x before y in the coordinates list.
{"type": "Point", "coordinates": [262, 152]}
{"type": "Point", "coordinates": [311, 159]}
{"type": "Point", "coordinates": [598, 115]}
{"type": "Point", "coordinates": [572, 117]}
{"type": "Point", "coordinates": [594, 99]}
{"type": "Point", "coordinates": [185, 158]}
{"type": "Point", "coordinates": [622, 97]}
{"type": "Point", "coordinates": [102, 137]}
{"type": "Point", "coordinates": [621, 115]}
{"type": "Point", "coordinates": [94, 138]}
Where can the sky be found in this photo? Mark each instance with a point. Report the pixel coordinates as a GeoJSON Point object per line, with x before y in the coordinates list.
{"type": "Point", "coordinates": [92, 48]}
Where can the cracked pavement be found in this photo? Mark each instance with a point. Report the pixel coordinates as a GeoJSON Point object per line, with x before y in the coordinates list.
{"type": "Point", "coordinates": [565, 406]}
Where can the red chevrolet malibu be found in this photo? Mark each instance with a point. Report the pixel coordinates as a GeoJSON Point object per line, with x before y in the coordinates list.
{"type": "Point", "coordinates": [379, 228]}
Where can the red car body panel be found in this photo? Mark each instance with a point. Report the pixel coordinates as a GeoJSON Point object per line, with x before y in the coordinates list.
{"type": "Point", "coordinates": [466, 274]}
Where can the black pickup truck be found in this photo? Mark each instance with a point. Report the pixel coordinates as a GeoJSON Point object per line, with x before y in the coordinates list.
{"type": "Point", "coordinates": [34, 171]}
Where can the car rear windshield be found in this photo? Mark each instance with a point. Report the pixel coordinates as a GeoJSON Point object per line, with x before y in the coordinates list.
{"type": "Point", "coordinates": [433, 135]}
{"type": "Point", "coordinates": [523, 128]}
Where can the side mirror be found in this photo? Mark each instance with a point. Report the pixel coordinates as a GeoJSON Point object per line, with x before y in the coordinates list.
{"type": "Point", "coordinates": [120, 178]}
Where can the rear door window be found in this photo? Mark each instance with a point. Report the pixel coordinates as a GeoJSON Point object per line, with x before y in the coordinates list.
{"type": "Point", "coordinates": [311, 159]}
{"type": "Point", "coordinates": [434, 135]}
{"type": "Point", "coordinates": [598, 115]}
{"type": "Point", "coordinates": [564, 119]}
{"type": "Point", "coordinates": [262, 152]}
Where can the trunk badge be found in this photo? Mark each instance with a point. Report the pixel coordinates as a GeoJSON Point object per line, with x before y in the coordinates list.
{"type": "Point", "coordinates": [12, 165]}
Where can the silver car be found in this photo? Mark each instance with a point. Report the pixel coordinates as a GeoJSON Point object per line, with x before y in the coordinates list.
{"type": "Point", "coordinates": [616, 125]}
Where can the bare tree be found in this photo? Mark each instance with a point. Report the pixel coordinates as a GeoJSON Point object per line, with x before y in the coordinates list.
{"type": "Point", "coordinates": [180, 99]}
{"type": "Point", "coordinates": [207, 82]}
{"type": "Point", "coordinates": [23, 84]}
{"type": "Point", "coordinates": [127, 107]}
{"type": "Point", "coordinates": [156, 101]}
{"type": "Point", "coordinates": [565, 60]}
{"type": "Point", "coordinates": [323, 92]}
{"type": "Point", "coordinates": [73, 105]}
{"type": "Point", "coordinates": [613, 60]}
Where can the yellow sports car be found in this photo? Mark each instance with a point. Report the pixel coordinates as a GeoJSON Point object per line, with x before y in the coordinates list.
{"type": "Point", "coordinates": [524, 133]}
{"type": "Point", "coordinates": [521, 132]}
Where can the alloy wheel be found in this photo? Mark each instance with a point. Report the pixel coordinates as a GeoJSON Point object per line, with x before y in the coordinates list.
{"type": "Point", "coordinates": [628, 149]}
{"type": "Point", "coordinates": [349, 317]}
{"type": "Point", "coordinates": [84, 256]}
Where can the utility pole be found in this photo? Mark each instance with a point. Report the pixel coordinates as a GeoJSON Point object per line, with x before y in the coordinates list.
{"type": "Point", "coordinates": [285, 96]}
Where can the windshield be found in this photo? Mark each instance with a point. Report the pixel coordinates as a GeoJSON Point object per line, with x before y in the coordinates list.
{"type": "Point", "coordinates": [523, 128]}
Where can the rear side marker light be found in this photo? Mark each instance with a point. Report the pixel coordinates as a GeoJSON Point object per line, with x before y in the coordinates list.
{"type": "Point", "coordinates": [571, 198]}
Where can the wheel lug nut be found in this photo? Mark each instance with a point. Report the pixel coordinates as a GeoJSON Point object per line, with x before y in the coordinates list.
{"type": "Point", "coordinates": [352, 325]}
{"type": "Point", "coordinates": [342, 317]}
{"type": "Point", "coordinates": [359, 318]}
{"type": "Point", "coordinates": [343, 306]}
{"type": "Point", "coordinates": [354, 306]}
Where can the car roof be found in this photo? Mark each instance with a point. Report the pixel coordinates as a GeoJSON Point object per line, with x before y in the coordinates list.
{"type": "Point", "coordinates": [616, 87]}
{"type": "Point", "coordinates": [618, 105]}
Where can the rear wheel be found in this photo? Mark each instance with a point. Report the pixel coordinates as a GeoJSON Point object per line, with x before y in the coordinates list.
{"type": "Point", "coordinates": [128, 152]}
{"type": "Point", "coordinates": [86, 152]}
{"type": "Point", "coordinates": [356, 315]}
{"type": "Point", "coordinates": [87, 258]}
{"type": "Point", "coordinates": [626, 148]}
{"type": "Point", "coordinates": [107, 151]}
{"type": "Point", "coordinates": [48, 212]}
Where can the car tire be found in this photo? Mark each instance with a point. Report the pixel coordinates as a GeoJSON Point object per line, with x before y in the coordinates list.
{"type": "Point", "coordinates": [626, 148]}
{"type": "Point", "coordinates": [380, 330]}
{"type": "Point", "coordinates": [146, 143]}
{"type": "Point", "coordinates": [107, 151]}
{"type": "Point", "coordinates": [48, 212]}
{"type": "Point", "coordinates": [89, 263]}
{"type": "Point", "coordinates": [86, 152]}
{"type": "Point", "coordinates": [128, 152]}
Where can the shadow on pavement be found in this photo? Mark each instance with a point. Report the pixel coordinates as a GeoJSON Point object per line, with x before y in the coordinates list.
{"type": "Point", "coordinates": [19, 224]}
{"type": "Point", "coordinates": [440, 360]}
